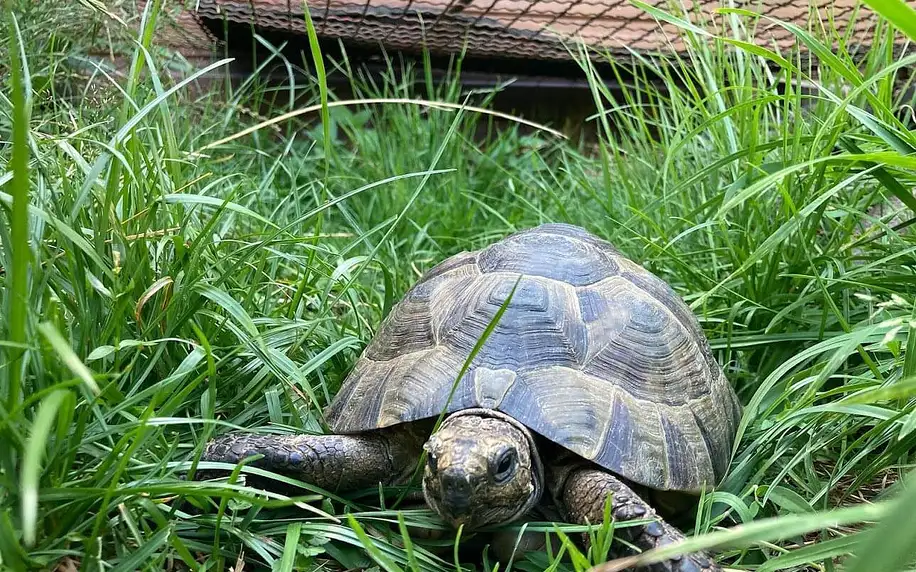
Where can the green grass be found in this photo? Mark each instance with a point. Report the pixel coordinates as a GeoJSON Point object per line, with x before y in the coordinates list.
{"type": "Point", "coordinates": [154, 296]}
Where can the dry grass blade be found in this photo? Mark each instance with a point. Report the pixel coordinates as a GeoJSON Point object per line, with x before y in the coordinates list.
{"type": "Point", "coordinates": [373, 101]}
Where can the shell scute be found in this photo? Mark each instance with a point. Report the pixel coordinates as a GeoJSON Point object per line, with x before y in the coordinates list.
{"type": "Point", "coordinates": [666, 296]}
{"type": "Point", "coordinates": [682, 467]}
{"type": "Point", "coordinates": [407, 330]}
{"type": "Point", "coordinates": [568, 408]}
{"type": "Point", "coordinates": [534, 331]}
{"type": "Point", "coordinates": [359, 400]}
{"type": "Point", "coordinates": [411, 324]}
{"type": "Point", "coordinates": [573, 231]}
{"type": "Point", "coordinates": [637, 344]}
{"type": "Point", "coordinates": [462, 259]}
{"type": "Point", "coordinates": [554, 256]}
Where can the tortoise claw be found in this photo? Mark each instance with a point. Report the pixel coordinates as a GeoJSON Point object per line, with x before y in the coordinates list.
{"type": "Point", "coordinates": [660, 533]}
{"type": "Point", "coordinates": [688, 563]}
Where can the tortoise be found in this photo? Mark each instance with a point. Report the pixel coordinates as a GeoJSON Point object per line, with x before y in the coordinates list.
{"type": "Point", "coordinates": [596, 380]}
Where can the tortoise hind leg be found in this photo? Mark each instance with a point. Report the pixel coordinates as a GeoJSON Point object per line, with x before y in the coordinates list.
{"type": "Point", "coordinates": [335, 463]}
{"type": "Point", "coordinates": [583, 496]}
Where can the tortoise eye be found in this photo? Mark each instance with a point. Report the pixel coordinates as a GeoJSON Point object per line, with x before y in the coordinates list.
{"type": "Point", "coordinates": [505, 466]}
{"type": "Point", "coordinates": [432, 462]}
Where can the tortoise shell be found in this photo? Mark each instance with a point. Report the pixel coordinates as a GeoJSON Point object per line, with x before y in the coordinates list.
{"type": "Point", "coordinates": [593, 352]}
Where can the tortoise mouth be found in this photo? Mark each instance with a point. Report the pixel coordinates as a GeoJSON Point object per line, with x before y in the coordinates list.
{"type": "Point", "coordinates": [450, 496]}
{"type": "Point", "coordinates": [458, 516]}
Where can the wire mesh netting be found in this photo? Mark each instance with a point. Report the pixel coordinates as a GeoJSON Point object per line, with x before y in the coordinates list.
{"type": "Point", "coordinates": [532, 29]}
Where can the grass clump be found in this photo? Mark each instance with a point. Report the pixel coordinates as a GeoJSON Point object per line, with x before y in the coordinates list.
{"type": "Point", "coordinates": [157, 291]}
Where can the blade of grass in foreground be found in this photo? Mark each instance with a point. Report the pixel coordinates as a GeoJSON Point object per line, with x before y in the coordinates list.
{"type": "Point", "coordinates": [288, 561]}
{"type": "Point", "coordinates": [32, 460]}
{"type": "Point", "coordinates": [371, 548]}
{"type": "Point", "coordinates": [761, 531]}
{"type": "Point", "coordinates": [817, 552]}
{"type": "Point", "coordinates": [70, 359]}
{"type": "Point", "coordinates": [318, 61]}
{"type": "Point", "coordinates": [897, 11]}
{"type": "Point", "coordinates": [891, 544]}
{"type": "Point", "coordinates": [19, 249]}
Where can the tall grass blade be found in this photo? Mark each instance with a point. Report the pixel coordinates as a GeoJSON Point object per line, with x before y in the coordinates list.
{"type": "Point", "coordinates": [764, 530]}
{"type": "Point", "coordinates": [899, 12]}
{"type": "Point", "coordinates": [890, 545]}
{"type": "Point", "coordinates": [19, 251]}
{"type": "Point", "coordinates": [32, 462]}
{"type": "Point", "coordinates": [69, 357]}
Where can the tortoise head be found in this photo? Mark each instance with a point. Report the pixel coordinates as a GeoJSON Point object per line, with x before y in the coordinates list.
{"type": "Point", "coordinates": [481, 469]}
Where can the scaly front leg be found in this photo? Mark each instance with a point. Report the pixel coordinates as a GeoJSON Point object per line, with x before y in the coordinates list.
{"type": "Point", "coordinates": [583, 495]}
{"type": "Point", "coordinates": [335, 463]}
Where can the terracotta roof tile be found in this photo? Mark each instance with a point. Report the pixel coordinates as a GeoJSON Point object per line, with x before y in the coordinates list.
{"type": "Point", "coordinates": [517, 28]}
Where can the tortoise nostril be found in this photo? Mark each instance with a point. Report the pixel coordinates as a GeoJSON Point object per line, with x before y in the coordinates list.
{"type": "Point", "coordinates": [456, 483]}
{"type": "Point", "coordinates": [456, 492]}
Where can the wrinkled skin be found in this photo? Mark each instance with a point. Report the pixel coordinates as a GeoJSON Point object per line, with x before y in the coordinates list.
{"type": "Point", "coordinates": [479, 472]}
